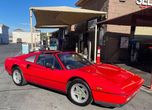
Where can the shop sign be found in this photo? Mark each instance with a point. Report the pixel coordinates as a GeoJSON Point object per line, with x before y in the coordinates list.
{"type": "Point", "coordinates": [124, 42]}
{"type": "Point", "coordinates": [144, 3]}
{"type": "Point", "coordinates": [92, 23]}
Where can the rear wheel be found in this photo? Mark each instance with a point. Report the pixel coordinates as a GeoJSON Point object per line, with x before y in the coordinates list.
{"type": "Point", "coordinates": [17, 77]}
{"type": "Point", "coordinates": [79, 93]}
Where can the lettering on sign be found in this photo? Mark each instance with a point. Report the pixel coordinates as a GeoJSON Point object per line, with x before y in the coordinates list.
{"type": "Point", "coordinates": [144, 3]}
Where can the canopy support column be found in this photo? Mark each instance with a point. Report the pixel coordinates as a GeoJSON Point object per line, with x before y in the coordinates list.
{"type": "Point", "coordinates": [133, 27]}
{"type": "Point", "coordinates": [132, 49]}
{"type": "Point", "coordinates": [31, 29]}
{"type": "Point", "coordinates": [89, 55]}
{"type": "Point", "coordinates": [95, 43]}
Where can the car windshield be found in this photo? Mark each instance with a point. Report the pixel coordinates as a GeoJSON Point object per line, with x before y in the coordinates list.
{"type": "Point", "coordinates": [73, 60]}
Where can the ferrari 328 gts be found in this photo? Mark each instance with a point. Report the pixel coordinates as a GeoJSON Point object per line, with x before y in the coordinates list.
{"type": "Point", "coordinates": [82, 81]}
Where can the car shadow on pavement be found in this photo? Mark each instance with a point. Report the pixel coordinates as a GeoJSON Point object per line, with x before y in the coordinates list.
{"type": "Point", "coordinates": [62, 93]}
{"type": "Point", "coordinates": [48, 89]}
{"type": "Point", "coordinates": [93, 103]}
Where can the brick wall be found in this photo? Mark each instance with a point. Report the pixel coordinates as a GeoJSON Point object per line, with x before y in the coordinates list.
{"type": "Point", "coordinates": [117, 8]}
{"type": "Point", "coordinates": [99, 5]}
{"type": "Point", "coordinates": [114, 8]}
{"type": "Point", "coordinates": [112, 53]}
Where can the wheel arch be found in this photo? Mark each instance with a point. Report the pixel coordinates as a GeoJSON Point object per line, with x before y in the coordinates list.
{"type": "Point", "coordinates": [74, 78]}
{"type": "Point", "coordinates": [83, 79]}
{"type": "Point", "coordinates": [24, 82]}
{"type": "Point", "coordinates": [13, 66]}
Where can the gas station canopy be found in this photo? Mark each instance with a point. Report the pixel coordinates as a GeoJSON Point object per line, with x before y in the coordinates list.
{"type": "Point", "coordinates": [62, 16]}
{"type": "Point", "coordinates": [139, 18]}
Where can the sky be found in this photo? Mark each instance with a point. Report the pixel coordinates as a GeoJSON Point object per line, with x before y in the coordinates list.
{"type": "Point", "coordinates": [15, 13]}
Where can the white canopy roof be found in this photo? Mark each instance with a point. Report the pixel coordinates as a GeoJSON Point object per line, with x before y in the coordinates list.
{"type": "Point", "coordinates": [62, 16]}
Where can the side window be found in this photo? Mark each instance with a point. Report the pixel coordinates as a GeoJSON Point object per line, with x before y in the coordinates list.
{"type": "Point", "coordinates": [31, 59]}
{"type": "Point", "coordinates": [47, 58]}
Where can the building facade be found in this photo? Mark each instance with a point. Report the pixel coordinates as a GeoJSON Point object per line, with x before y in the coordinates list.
{"type": "Point", "coordinates": [20, 36]}
{"type": "Point", "coordinates": [114, 8]}
{"type": "Point", "coordinates": [113, 38]}
{"type": "Point", "coordinates": [4, 34]}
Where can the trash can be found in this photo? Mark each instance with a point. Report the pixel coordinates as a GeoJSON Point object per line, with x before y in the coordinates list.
{"type": "Point", "coordinates": [25, 48]}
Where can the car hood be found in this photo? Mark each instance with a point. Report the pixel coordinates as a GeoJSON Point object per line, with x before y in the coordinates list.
{"type": "Point", "coordinates": [115, 78]}
{"type": "Point", "coordinates": [110, 72]}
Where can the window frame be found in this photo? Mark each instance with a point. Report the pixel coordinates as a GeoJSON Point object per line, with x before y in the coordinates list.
{"type": "Point", "coordinates": [61, 68]}
{"type": "Point", "coordinates": [29, 57]}
{"type": "Point", "coordinates": [71, 53]}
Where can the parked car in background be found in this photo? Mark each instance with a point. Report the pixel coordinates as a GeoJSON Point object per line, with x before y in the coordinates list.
{"type": "Point", "coordinates": [82, 81]}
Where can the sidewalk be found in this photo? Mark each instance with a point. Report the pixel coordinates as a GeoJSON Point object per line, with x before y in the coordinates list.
{"type": "Point", "coordinates": [145, 75]}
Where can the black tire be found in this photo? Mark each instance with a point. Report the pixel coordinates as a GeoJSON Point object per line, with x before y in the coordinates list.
{"type": "Point", "coordinates": [79, 81]}
{"type": "Point", "coordinates": [22, 80]}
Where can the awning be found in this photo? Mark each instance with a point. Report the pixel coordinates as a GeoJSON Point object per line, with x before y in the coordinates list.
{"type": "Point", "coordinates": [62, 16]}
{"type": "Point", "coordinates": [141, 18]}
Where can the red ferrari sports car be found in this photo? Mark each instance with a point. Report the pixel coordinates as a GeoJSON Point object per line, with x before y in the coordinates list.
{"type": "Point", "coordinates": [82, 81]}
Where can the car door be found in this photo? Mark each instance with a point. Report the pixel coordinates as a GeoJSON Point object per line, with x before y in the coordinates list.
{"type": "Point", "coordinates": [52, 76]}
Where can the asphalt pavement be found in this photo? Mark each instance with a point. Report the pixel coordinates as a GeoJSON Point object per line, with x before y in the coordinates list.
{"type": "Point", "coordinates": [32, 97]}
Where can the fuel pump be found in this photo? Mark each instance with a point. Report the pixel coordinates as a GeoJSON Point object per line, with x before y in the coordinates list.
{"type": "Point", "coordinates": [134, 48]}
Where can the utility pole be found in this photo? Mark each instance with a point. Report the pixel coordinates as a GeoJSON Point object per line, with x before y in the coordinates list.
{"type": "Point", "coordinates": [31, 28]}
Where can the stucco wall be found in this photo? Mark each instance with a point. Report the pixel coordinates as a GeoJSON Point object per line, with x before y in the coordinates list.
{"type": "Point", "coordinates": [25, 36]}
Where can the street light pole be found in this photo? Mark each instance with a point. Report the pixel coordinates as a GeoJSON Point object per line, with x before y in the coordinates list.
{"type": "Point", "coordinates": [31, 28]}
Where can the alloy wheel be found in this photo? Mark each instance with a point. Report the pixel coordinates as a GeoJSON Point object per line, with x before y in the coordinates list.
{"type": "Point", "coordinates": [17, 76]}
{"type": "Point", "coordinates": [79, 93]}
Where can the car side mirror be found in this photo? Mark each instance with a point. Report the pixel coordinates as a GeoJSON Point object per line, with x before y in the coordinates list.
{"type": "Point", "coordinates": [49, 65]}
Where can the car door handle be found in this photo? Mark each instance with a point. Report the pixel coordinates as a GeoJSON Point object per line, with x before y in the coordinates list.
{"type": "Point", "coordinates": [27, 66]}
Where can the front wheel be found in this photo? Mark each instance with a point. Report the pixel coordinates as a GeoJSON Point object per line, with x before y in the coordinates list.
{"type": "Point", "coordinates": [79, 93]}
{"type": "Point", "coordinates": [17, 77]}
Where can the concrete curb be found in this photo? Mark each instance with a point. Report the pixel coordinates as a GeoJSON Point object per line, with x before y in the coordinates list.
{"type": "Point", "coordinates": [145, 89]}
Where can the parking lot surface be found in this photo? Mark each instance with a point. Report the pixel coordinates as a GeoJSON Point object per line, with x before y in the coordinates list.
{"type": "Point", "coordinates": [32, 97]}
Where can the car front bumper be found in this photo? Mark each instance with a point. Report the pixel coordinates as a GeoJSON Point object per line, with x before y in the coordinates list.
{"type": "Point", "coordinates": [115, 100]}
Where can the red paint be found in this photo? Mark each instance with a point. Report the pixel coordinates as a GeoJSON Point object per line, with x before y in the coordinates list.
{"type": "Point", "coordinates": [144, 6]}
{"type": "Point", "coordinates": [108, 83]}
